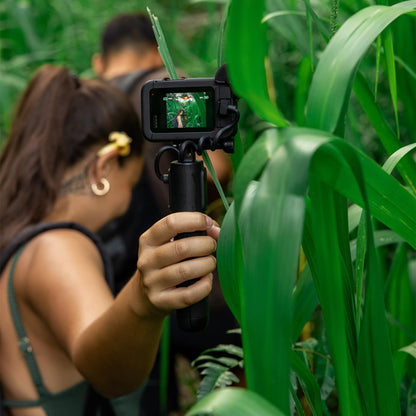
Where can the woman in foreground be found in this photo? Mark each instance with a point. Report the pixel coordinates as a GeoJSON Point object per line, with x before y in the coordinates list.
{"type": "Point", "coordinates": [72, 160]}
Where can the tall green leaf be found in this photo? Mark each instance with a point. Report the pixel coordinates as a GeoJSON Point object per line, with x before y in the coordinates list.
{"type": "Point", "coordinates": [332, 82]}
{"type": "Point", "coordinates": [246, 37]}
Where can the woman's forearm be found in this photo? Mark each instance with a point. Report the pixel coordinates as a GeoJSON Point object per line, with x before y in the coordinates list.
{"type": "Point", "coordinates": [117, 351]}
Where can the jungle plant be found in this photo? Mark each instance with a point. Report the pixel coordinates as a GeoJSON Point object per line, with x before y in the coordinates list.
{"type": "Point", "coordinates": [323, 169]}
{"type": "Point", "coordinates": [306, 184]}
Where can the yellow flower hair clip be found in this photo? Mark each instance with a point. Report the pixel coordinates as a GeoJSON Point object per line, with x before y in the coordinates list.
{"type": "Point", "coordinates": [120, 141]}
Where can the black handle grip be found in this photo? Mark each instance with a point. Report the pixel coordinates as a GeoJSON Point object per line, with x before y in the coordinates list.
{"type": "Point", "coordinates": [187, 192]}
{"type": "Point", "coordinates": [195, 317]}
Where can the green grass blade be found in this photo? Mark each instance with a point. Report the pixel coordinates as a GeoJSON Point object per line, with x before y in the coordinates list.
{"type": "Point", "coordinates": [335, 301]}
{"type": "Point", "coordinates": [162, 46]}
{"type": "Point", "coordinates": [406, 167]}
{"type": "Point", "coordinates": [395, 158]}
{"type": "Point", "coordinates": [164, 366]}
{"type": "Point", "coordinates": [309, 385]}
{"type": "Point", "coordinates": [391, 72]}
{"type": "Point", "coordinates": [211, 170]}
{"type": "Point", "coordinates": [332, 82]}
{"type": "Point", "coordinates": [305, 302]}
{"type": "Point", "coordinates": [303, 80]}
{"type": "Point", "coordinates": [374, 356]}
{"type": "Point", "coordinates": [170, 67]}
{"type": "Point", "coordinates": [400, 306]}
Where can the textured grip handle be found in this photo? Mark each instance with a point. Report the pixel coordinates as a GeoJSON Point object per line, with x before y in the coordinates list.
{"type": "Point", "coordinates": [195, 317]}
{"type": "Point", "coordinates": [187, 192]}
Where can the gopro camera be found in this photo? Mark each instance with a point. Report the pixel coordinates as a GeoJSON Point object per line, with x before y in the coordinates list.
{"type": "Point", "coordinates": [189, 109]}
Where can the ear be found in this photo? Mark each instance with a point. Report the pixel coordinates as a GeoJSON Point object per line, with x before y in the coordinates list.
{"type": "Point", "coordinates": [97, 63]}
{"type": "Point", "coordinates": [157, 59]}
{"type": "Point", "coordinates": [150, 59]}
{"type": "Point", "coordinates": [101, 167]}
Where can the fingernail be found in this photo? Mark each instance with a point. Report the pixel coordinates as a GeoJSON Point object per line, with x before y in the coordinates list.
{"type": "Point", "coordinates": [216, 229]}
{"type": "Point", "coordinates": [209, 221]}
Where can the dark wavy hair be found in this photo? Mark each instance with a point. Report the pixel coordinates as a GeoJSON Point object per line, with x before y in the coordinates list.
{"type": "Point", "coordinates": [58, 119]}
{"type": "Point", "coordinates": [132, 30]}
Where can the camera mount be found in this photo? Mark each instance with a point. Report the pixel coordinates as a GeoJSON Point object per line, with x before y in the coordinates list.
{"type": "Point", "coordinates": [214, 106]}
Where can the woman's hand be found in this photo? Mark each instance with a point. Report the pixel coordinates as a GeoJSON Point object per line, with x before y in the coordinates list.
{"type": "Point", "coordinates": [164, 263]}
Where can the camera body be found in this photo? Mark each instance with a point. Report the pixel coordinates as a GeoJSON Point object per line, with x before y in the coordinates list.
{"type": "Point", "coordinates": [189, 109]}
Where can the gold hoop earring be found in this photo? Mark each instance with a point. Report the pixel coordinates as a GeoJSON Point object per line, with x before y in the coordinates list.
{"type": "Point", "coordinates": [103, 190]}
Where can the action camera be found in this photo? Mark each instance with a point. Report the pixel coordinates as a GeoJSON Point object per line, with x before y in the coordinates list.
{"type": "Point", "coordinates": [188, 109]}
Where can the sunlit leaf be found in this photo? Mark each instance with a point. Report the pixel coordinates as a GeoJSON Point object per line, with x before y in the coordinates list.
{"type": "Point", "coordinates": [234, 401]}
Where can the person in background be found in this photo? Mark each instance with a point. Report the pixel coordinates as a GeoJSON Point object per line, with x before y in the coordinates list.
{"type": "Point", "coordinates": [179, 120]}
{"type": "Point", "coordinates": [73, 157]}
{"type": "Point", "coordinates": [129, 57]}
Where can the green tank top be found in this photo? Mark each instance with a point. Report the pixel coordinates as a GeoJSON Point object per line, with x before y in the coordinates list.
{"type": "Point", "coordinates": [71, 401]}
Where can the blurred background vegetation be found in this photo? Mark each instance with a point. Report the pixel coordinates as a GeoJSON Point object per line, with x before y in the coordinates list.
{"type": "Point", "coordinates": [66, 32]}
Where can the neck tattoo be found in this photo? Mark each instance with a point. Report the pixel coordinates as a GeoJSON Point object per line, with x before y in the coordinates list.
{"type": "Point", "coordinates": [75, 185]}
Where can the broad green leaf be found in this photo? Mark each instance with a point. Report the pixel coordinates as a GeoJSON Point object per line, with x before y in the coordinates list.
{"type": "Point", "coordinates": [254, 162]}
{"type": "Point", "coordinates": [271, 221]}
{"type": "Point", "coordinates": [247, 37]}
{"type": "Point", "coordinates": [234, 401]}
{"type": "Point", "coordinates": [230, 262]}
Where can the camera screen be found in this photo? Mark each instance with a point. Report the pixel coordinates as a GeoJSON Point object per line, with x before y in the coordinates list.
{"type": "Point", "coordinates": [173, 110]}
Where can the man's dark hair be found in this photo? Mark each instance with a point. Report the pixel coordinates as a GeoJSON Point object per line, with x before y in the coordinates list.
{"type": "Point", "coordinates": [127, 30]}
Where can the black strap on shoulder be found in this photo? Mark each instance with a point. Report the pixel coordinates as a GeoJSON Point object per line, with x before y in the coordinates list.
{"type": "Point", "coordinates": [32, 231]}
{"type": "Point", "coordinates": [128, 82]}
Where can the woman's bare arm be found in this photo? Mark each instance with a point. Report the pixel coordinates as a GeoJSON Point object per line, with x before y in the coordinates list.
{"type": "Point", "coordinates": [113, 343]}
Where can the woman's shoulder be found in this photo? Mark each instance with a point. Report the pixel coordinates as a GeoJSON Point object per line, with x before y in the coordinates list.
{"type": "Point", "coordinates": [62, 242]}
{"type": "Point", "coordinates": [58, 252]}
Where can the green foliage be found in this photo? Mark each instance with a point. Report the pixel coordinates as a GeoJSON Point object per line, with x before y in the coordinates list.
{"type": "Point", "coordinates": [294, 187]}
{"type": "Point", "coordinates": [66, 32]}
{"type": "Point", "coordinates": [324, 161]}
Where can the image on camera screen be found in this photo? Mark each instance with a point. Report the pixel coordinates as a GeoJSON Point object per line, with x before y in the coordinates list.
{"type": "Point", "coordinates": [186, 110]}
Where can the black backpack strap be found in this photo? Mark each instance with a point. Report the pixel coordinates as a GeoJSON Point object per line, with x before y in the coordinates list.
{"type": "Point", "coordinates": [32, 231]}
{"type": "Point", "coordinates": [128, 82]}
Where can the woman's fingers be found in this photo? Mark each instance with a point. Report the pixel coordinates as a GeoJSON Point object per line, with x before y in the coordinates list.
{"type": "Point", "coordinates": [178, 273]}
{"type": "Point", "coordinates": [165, 263]}
{"type": "Point", "coordinates": [177, 251]}
{"type": "Point", "coordinates": [181, 297]}
{"type": "Point", "coordinates": [174, 224]}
